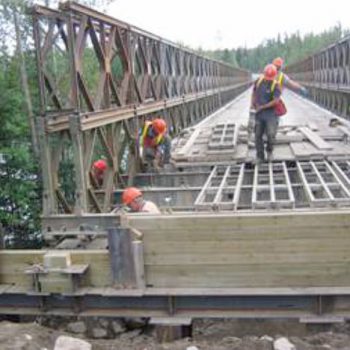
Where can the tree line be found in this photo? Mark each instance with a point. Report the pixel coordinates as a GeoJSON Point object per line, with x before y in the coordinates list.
{"type": "Point", "coordinates": [291, 47]}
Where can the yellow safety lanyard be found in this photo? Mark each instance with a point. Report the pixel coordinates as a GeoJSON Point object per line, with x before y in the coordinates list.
{"type": "Point", "coordinates": [280, 79]}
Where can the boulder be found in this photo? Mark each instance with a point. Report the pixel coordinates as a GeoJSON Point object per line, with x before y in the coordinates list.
{"type": "Point", "coordinates": [68, 343]}
{"type": "Point", "coordinates": [283, 344]}
{"type": "Point", "coordinates": [78, 327]}
{"type": "Point", "coordinates": [99, 333]}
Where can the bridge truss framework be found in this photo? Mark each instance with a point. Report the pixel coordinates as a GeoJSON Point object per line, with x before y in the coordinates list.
{"type": "Point", "coordinates": [99, 79]}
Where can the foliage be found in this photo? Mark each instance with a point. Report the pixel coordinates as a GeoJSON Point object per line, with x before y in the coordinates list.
{"type": "Point", "coordinates": [20, 195]}
{"type": "Point", "coordinates": [20, 182]}
{"type": "Point", "coordinates": [292, 48]}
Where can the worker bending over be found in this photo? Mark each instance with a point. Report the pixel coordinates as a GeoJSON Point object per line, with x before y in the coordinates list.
{"type": "Point", "coordinates": [283, 79]}
{"type": "Point", "coordinates": [133, 198]}
{"type": "Point", "coordinates": [265, 96]}
{"type": "Point", "coordinates": [155, 144]}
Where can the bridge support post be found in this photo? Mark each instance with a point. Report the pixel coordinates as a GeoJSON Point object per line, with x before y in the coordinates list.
{"type": "Point", "coordinates": [81, 193]}
{"type": "Point", "coordinates": [121, 257]}
{"type": "Point", "coordinates": [49, 201]}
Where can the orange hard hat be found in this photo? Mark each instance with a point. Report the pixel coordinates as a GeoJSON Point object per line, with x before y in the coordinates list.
{"type": "Point", "coordinates": [100, 164]}
{"type": "Point", "coordinates": [159, 125]}
{"type": "Point", "coordinates": [278, 62]}
{"type": "Point", "coordinates": [130, 194]}
{"type": "Point", "coordinates": [270, 72]}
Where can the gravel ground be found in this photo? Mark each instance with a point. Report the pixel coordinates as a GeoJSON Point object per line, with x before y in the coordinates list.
{"type": "Point", "coordinates": [207, 335]}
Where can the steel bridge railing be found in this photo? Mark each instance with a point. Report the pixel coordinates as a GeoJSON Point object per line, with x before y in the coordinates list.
{"type": "Point", "coordinates": [327, 75]}
{"type": "Point", "coordinates": [99, 79]}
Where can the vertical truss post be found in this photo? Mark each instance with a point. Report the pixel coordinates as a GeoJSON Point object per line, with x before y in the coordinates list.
{"type": "Point", "coordinates": [81, 193]}
{"type": "Point", "coordinates": [49, 198]}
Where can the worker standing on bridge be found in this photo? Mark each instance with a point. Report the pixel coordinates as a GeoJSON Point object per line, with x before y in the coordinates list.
{"type": "Point", "coordinates": [265, 97]}
{"type": "Point", "coordinates": [133, 198]}
{"type": "Point", "coordinates": [283, 79]}
{"type": "Point", "coordinates": [155, 144]}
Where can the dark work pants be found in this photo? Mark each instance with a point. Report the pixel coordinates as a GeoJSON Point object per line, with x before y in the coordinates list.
{"type": "Point", "coordinates": [149, 153]}
{"type": "Point", "coordinates": [265, 124]}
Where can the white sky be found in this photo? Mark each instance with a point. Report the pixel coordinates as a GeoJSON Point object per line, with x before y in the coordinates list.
{"type": "Point", "coordinates": [228, 23]}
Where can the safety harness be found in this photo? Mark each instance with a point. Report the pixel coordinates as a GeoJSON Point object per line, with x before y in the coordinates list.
{"type": "Point", "coordinates": [157, 140]}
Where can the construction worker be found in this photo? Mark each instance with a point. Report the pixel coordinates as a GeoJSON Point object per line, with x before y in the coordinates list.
{"type": "Point", "coordinates": [99, 168]}
{"type": "Point", "coordinates": [266, 95]}
{"type": "Point", "coordinates": [133, 198]}
{"type": "Point", "coordinates": [155, 144]}
{"type": "Point", "coordinates": [283, 79]}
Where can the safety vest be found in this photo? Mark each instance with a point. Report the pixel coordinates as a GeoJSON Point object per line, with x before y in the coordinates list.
{"type": "Point", "coordinates": [280, 79]}
{"type": "Point", "coordinates": [156, 141]}
{"type": "Point", "coordinates": [274, 83]}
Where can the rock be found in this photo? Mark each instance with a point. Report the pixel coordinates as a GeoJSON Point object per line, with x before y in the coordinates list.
{"type": "Point", "coordinates": [267, 338]}
{"type": "Point", "coordinates": [231, 340]}
{"type": "Point", "coordinates": [28, 336]}
{"type": "Point", "coordinates": [76, 327]}
{"type": "Point", "coordinates": [192, 347]}
{"type": "Point", "coordinates": [104, 323]}
{"type": "Point", "coordinates": [135, 322]}
{"type": "Point", "coordinates": [130, 335]}
{"type": "Point", "coordinates": [283, 344]}
{"type": "Point", "coordinates": [68, 343]}
{"type": "Point", "coordinates": [99, 333]}
{"type": "Point", "coordinates": [118, 327]}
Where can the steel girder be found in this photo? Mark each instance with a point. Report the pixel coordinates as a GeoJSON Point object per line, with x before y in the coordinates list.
{"type": "Point", "coordinates": [99, 79]}
{"type": "Point", "coordinates": [327, 75]}
{"type": "Point", "coordinates": [299, 306]}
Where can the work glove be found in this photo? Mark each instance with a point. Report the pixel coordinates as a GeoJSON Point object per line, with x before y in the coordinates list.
{"type": "Point", "coordinates": [304, 92]}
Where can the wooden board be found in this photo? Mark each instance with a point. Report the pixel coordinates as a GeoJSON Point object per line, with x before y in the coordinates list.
{"type": "Point", "coordinates": [315, 139]}
{"type": "Point", "coordinates": [248, 250]}
{"type": "Point", "coordinates": [305, 151]}
{"type": "Point", "coordinates": [14, 262]}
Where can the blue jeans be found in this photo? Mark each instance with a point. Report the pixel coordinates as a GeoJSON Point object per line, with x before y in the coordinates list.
{"type": "Point", "coordinates": [265, 124]}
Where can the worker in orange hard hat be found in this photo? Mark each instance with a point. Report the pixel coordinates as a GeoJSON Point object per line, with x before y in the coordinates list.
{"type": "Point", "coordinates": [284, 80]}
{"type": "Point", "coordinates": [266, 95]}
{"type": "Point", "coordinates": [155, 143]}
{"type": "Point", "coordinates": [133, 198]}
{"type": "Point", "coordinates": [99, 168]}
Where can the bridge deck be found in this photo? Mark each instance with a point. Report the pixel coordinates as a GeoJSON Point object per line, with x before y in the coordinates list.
{"type": "Point", "coordinates": [216, 170]}
{"type": "Point", "coordinates": [304, 134]}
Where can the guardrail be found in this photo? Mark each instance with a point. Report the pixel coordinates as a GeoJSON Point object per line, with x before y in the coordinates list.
{"type": "Point", "coordinates": [327, 75]}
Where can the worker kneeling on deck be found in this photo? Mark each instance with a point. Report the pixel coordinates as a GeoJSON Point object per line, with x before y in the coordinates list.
{"type": "Point", "coordinates": [155, 144]}
{"type": "Point", "coordinates": [265, 97]}
{"type": "Point", "coordinates": [133, 198]}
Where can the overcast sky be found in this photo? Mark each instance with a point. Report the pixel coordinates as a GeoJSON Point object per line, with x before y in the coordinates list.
{"type": "Point", "coordinates": [229, 23]}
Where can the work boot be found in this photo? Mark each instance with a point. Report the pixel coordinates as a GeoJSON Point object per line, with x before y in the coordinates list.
{"type": "Point", "coordinates": [269, 157]}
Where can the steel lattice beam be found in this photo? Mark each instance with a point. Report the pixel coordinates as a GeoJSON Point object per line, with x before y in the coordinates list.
{"type": "Point", "coordinates": [99, 79]}
{"type": "Point", "coordinates": [327, 75]}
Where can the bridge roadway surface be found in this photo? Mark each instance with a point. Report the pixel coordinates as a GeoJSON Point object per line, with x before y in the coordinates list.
{"type": "Point", "coordinates": [322, 142]}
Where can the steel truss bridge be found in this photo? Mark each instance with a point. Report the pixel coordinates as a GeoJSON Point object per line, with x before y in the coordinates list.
{"type": "Point", "coordinates": [234, 239]}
